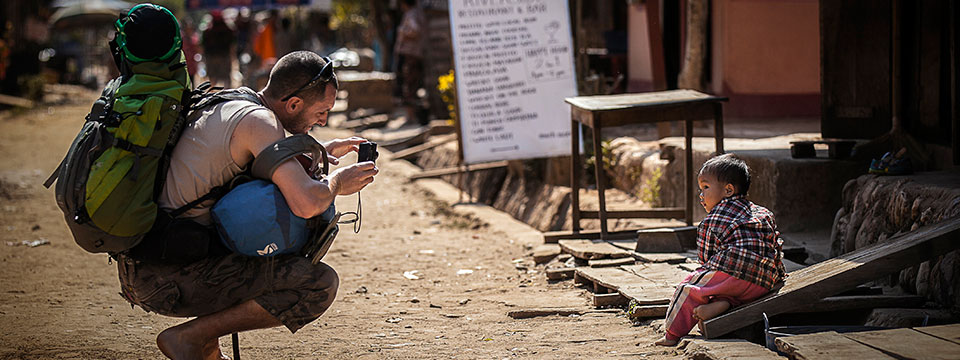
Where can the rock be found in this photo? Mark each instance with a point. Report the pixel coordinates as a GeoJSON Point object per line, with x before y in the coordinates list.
{"type": "Point", "coordinates": [877, 208]}
{"type": "Point", "coordinates": [898, 318]}
{"type": "Point", "coordinates": [923, 276]}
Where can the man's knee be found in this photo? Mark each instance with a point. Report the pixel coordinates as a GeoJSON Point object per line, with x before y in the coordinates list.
{"type": "Point", "coordinates": [329, 280]}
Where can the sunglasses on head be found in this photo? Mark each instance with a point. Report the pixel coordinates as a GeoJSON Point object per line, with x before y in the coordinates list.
{"type": "Point", "coordinates": [324, 76]}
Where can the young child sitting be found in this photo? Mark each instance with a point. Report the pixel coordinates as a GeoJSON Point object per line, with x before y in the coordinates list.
{"type": "Point", "coordinates": [738, 245]}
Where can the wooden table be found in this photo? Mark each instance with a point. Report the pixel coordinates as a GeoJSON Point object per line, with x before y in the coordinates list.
{"type": "Point", "coordinates": [598, 112]}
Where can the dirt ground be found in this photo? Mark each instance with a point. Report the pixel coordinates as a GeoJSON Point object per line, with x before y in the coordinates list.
{"type": "Point", "coordinates": [59, 302]}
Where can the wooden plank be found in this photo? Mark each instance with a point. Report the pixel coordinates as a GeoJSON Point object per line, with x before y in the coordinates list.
{"type": "Point", "coordinates": [791, 266]}
{"type": "Point", "coordinates": [836, 275]}
{"type": "Point", "coordinates": [628, 245]}
{"type": "Point", "coordinates": [658, 273]}
{"type": "Point", "coordinates": [614, 299]}
{"type": "Point", "coordinates": [610, 278]}
{"type": "Point", "coordinates": [16, 101]}
{"type": "Point", "coordinates": [669, 258]}
{"type": "Point", "coordinates": [665, 239]}
{"type": "Point", "coordinates": [560, 274]}
{"type": "Point", "coordinates": [653, 294]}
{"type": "Point", "coordinates": [596, 103]}
{"type": "Point", "coordinates": [688, 266]}
{"type": "Point", "coordinates": [413, 150]}
{"type": "Point", "coordinates": [545, 252]}
{"type": "Point", "coordinates": [554, 236]}
{"type": "Point", "coordinates": [432, 173]}
{"type": "Point", "coordinates": [657, 285]}
{"type": "Point", "coordinates": [592, 250]}
{"type": "Point", "coordinates": [826, 345]}
{"type": "Point", "coordinates": [908, 344]}
{"type": "Point", "coordinates": [535, 312]}
{"type": "Point", "coordinates": [723, 349]}
{"type": "Point", "coordinates": [949, 333]}
{"type": "Point", "coordinates": [611, 262]}
{"type": "Point", "coordinates": [372, 120]}
{"type": "Point", "coordinates": [647, 311]}
{"type": "Point", "coordinates": [664, 213]}
{"type": "Point", "coordinates": [838, 303]}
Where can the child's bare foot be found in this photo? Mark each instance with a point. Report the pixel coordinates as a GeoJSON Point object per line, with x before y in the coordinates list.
{"type": "Point", "coordinates": [665, 342]}
{"type": "Point", "coordinates": [709, 311]}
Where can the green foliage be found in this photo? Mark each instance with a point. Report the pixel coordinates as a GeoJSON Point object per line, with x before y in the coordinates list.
{"type": "Point", "coordinates": [349, 14]}
{"type": "Point", "coordinates": [650, 191]}
{"type": "Point", "coordinates": [447, 86]}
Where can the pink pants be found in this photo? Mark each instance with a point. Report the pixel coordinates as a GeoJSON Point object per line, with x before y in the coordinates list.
{"type": "Point", "coordinates": [702, 287]}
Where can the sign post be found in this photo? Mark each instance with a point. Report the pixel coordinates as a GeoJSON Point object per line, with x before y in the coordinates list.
{"type": "Point", "coordinates": [514, 66]}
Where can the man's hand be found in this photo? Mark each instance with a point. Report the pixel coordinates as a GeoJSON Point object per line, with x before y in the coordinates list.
{"type": "Point", "coordinates": [351, 179]}
{"type": "Point", "coordinates": [340, 147]}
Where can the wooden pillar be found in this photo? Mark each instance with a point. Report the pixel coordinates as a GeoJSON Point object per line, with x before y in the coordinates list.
{"type": "Point", "coordinates": [955, 80]}
{"type": "Point", "coordinates": [598, 169]}
{"type": "Point", "coordinates": [688, 169]}
{"type": "Point", "coordinates": [575, 175]}
{"type": "Point", "coordinates": [658, 68]}
{"type": "Point", "coordinates": [718, 126]}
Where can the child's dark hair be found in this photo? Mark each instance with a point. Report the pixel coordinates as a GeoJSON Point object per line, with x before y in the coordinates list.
{"type": "Point", "coordinates": [729, 169]}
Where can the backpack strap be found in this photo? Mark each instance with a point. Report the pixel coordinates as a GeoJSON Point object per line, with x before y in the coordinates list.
{"type": "Point", "coordinates": [272, 156]}
{"type": "Point", "coordinates": [204, 98]}
{"type": "Point", "coordinates": [100, 111]}
{"type": "Point", "coordinates": [201, 98]}
{"type": "Point", "coordinates": [265, 164]}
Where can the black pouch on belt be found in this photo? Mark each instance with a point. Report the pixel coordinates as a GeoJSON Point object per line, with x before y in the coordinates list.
{"type": "Point", "coordinates": [177, 241]}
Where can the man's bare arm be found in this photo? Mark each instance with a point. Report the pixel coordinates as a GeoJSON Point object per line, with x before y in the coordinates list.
{"type": "Point", "coordinates": [305, 196]}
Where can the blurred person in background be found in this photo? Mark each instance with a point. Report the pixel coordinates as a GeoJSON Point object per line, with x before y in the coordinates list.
{"type": "Point", "coordinates": [409, 49]}
{"type": "Point", "coordinates": [264, 44]}
{"type": "Point", "coordinates": [218, 40]}
{"type": "Point", "coordinates": [190, 47]}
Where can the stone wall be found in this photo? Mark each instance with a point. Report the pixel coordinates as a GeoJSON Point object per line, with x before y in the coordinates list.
{"type": "Point", "coordinates": [804, 194]}
{"type": "Point", "coordinates": [521, 191]}
{"type": "Point", "coordinates": [876, 208]}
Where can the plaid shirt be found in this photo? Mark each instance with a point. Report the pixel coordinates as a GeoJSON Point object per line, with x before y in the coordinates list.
{"type": "Point", "coordinates": [741, 239]}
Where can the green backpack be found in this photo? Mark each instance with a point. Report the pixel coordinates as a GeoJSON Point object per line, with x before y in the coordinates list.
{"type": "Point", "coordinates": [115, 168]}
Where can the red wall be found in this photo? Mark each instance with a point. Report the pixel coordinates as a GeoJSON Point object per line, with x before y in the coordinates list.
{"type": "Point", "coordinates": [765, 56]}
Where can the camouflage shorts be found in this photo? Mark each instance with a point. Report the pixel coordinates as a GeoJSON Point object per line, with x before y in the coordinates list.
{"type": "Point", "coordinates": [292, 289]}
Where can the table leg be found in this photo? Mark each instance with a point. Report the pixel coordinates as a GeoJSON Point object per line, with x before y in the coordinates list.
{"type": "Point", "coordinates": [575, 175]}
{"type": "Point", "coordinates": [688, 169]}
{"type": "Point", "coordinates": [718, 126]}
{"type": "Point", "coordinates": [598, 157]}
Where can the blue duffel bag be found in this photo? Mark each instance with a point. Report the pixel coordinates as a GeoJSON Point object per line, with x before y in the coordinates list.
{"type": "Point", "coordinates": [253, 218]}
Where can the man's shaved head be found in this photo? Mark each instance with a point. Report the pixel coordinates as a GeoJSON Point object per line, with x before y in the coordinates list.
{"type": "Point", "coordinates": [293, 71]}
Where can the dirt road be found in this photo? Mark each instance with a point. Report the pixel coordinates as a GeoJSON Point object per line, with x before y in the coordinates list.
{"type": "Point", "coordinates": [59, 302]}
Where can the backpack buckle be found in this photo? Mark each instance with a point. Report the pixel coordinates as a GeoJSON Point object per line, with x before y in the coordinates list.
{"type": "Point", "coordinates": [80, 215]}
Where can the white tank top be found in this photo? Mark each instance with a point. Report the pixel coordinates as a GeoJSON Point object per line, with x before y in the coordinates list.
{"type": "Point", "coordinates": [202, 160]}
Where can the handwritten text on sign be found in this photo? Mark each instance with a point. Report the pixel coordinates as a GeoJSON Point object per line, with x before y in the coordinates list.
{"type": "Point", "coordinates": [514, 66]}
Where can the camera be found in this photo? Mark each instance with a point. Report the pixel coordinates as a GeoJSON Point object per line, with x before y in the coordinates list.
{"type": "Point", "coordinates": [367, 152]}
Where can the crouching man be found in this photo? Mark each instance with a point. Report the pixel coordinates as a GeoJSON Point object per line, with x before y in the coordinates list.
{"type": "Point", "coordinates": [228, 292]}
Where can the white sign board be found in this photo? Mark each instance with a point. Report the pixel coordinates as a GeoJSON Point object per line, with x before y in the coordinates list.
{"type": "Point", "coordinates": [514, 67]}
